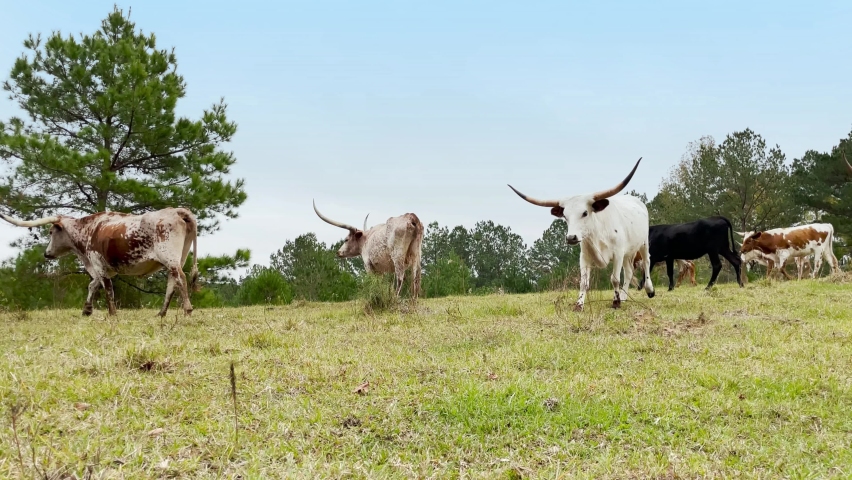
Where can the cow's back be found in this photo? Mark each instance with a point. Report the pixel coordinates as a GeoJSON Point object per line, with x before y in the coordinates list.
{"type": "Point", "coordinates": [628, 224]}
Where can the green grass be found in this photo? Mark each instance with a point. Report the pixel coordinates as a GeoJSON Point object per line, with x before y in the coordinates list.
{"type": "Point", "coordinates": [732, 383]}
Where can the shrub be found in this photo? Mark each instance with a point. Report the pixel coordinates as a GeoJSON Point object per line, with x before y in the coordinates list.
{"type": "Point", "coordinates": [448, 276]}
{"type": "Point", "coordinates": [264, 285]}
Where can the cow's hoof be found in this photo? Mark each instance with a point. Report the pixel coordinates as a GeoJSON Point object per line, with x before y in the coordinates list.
{"type": "Point", "coordinates": [578, 307]}
{"type": "Point", "coordinates": [616, 304]}
{"type": "Point", "coordinates": [651, 294]}
{"type": "Point", "coordinates": [188, 313]}
{"type": "Point", "coordinates": [87, 311]}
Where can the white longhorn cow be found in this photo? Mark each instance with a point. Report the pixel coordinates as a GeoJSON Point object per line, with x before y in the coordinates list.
{"type": "Point", "coordinates": [608, 229]}
{"type": "Point", "coordinates": [390, 247]}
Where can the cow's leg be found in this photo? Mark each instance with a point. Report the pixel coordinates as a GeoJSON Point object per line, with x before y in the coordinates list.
{"type": "Point", "coordinates": [628, 277]}
{"type": "Point", "coordinates": [415, 284]}
{"type": "Point", "coordinates": [735, 262]}
{"type": "Point", "coordinates": [782, 265]}
{"type": "Point", "coordinates": [110, 294]}
{"type": "Point", "coordinates": [692, 274]}
{"type": "Point", "coordinates": [170, 290]}
{"type": "Point", "coordinates": [648, 264]}
{"type": "Point", "coordinates": [634, 282]}
{"type": "Point", "coordinates": [184, 292]}
{"type": "Point", "coordinates": [399, 277]}
{"type": "Point", "coordinates": [682, 270]}
{"type": "Point", "coordinates": [818, 262]}
{"type": "Point", "coordinates": [94, 285]}
{"type": "Point", "coordinates": [717, 267]}
{"type": "Point", "coordinates": [585, 278]}
{"type": "Point", "coordinates": [769, 266]}
{"type": "Point", "coordinates": [642, 279]}
{"type": "Point", "coordinates": [615, 279]}
{"type": "Point", "coordinates": [670, 272]}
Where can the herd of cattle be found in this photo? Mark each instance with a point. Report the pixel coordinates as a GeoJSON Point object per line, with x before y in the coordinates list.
{"type": "Point", "coordinates": [608, 229]}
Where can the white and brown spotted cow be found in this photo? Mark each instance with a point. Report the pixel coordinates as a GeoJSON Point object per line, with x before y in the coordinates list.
{"type": "Point", "coordinates": [112, 243]}
{"type": "Point", "coordinates": [778, 245]}
{"type": "Point", "coordinates": [390, 247]}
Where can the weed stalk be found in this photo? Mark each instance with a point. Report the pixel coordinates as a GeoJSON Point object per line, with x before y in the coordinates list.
{"type": "Point", "coordinates": [234, 400]}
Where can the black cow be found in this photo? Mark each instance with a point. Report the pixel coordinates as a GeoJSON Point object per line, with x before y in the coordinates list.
{"type": "Point", "coordinates": [689, 241]}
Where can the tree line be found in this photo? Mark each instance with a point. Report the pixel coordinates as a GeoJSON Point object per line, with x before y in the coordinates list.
{"type": "Point", "coordinates": [101, 133]}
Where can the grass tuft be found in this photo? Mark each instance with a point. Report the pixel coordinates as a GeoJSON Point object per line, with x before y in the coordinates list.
{"type": "Point", "coordinates": [377, 295]}
{"type": "Point", "coordinates": [146, 358]}
{"type": "Point", "coordinates": [262, 340]}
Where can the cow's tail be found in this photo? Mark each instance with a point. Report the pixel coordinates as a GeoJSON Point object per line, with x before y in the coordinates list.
{"type": "Point", "coordinates": [414, 252]}
{"type": "Point", "coordinates": [193, 274]}
{"type": "Point", "coordinates": [829, 251]}
{"type": "Point", "coordinates": [192, 229]}
{"type": "Point", "coordinates": [730, 233]}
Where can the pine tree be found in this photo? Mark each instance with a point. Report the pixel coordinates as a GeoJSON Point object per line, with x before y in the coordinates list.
{"type": "Point", "coordinates": [103, 134]}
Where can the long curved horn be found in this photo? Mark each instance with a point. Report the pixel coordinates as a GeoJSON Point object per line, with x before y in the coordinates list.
{"type": "Point", "coordinates": [332, 222]}
{"type": "Point", "coordinates": [619, 187]}
{"type": "Point", "coordinates": [365, 222]}
{"type": "Point", "coordinates": [535, 201]}
{"type": "Point", "coordinates": [848, 165]}
{"type": "Point", "coordinates": [32, 223]}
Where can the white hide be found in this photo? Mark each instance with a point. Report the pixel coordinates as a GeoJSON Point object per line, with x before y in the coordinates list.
{"type": "Point", "coordinates": [613, 234]}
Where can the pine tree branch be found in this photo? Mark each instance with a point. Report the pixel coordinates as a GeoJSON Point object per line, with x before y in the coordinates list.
{"type": "Point", "coordinates": [114, 161]}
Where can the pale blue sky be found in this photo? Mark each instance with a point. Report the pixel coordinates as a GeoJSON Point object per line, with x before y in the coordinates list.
{"type": "Point", "coordinates": [432, 107]}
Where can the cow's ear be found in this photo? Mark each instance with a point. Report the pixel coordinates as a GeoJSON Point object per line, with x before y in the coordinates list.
{"type": "Point", "coordinates": [557, 211]}
{"type": "Point", "coordinates": [599, 205]}
{"type": "Point", "coordinates": [755, 235]}
{"type": "Point", "coordinates": [359, 234]}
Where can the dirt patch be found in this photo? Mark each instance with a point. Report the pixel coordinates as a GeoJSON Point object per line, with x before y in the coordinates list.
{"type": "Point", "coordinates": [647, 323]}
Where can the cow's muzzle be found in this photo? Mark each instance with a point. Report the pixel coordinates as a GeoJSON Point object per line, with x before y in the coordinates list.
{"type": "Point", "coordinates": [572, 240]}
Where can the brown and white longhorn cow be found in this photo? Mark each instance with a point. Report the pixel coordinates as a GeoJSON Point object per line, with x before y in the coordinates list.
{"type": "Point", "coordinates": [390, 247]}
{"type": "Point", "coordinates": [112, 243]}
{"type": "Point", "coordinates": [778, 245]}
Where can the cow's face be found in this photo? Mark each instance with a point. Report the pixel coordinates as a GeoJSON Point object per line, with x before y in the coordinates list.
{"type": "Point", "coordinates": [353, 245]}
{"type": "Point", "coordinates": [749, 250]}
{"type": "Point", "coordinates": [580, 214]}
{"type": "Point", "coordinates": [60, 243]}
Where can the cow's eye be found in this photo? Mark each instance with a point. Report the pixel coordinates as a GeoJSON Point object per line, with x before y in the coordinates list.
{"type": "Point", "coordinates": [585, 213]}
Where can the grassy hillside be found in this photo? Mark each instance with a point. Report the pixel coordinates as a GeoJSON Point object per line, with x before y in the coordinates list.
{"type": "Point", "coordinates": [754, 382]}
